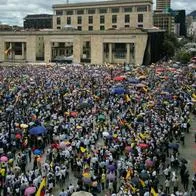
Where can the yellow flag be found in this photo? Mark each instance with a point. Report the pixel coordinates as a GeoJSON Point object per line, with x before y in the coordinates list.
{"type": "Point", "coordinates": [82, 149]}
{"type": "Point", "coordinates": [152, 191]}
{"type": "Point", "coordinates": [42, 185]}
{"type": "Point", "coordinates": [128, 174]}
{"type": "Point", "coordinates": [127, 98]}
{"type": "Point", "coordinates": [142, 183]}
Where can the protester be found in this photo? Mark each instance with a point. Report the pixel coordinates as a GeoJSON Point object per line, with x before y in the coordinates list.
{"type": "Point", "coordinates": [112, 131]}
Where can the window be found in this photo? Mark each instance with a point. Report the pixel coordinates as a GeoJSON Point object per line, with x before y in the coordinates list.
{"type": "Point", "coordinates": [102, 28]}
{"type": "Point", "coordinates": [127, 18]}
{"type": "Point", "coordinates": [91, 11]}
{"type": "Point", "coordinates": [127, 26]}
{"type": "Point", "coordinates": [115, 10]}
{"type": "Point", "coordinates": [69, 12]}
{"type": "Point", "coordinates": [90, 19]}
{"type": "Point", "coordinates": [58, 27]}
{"type": "Point", "coordinates": [142, 9]}
{"type": "Point", "coordinates": [79, 28]}
{"type": "Point", "coordinates": [79, 19]}
{"type": "Point", "coordinates": [140, 25]}
{"type": "Point", "coordinates": [140, 17]}
{"type": "Point", "coordinates": [114, 26]}
{"type": "Point", "coordinates": [59, 12]}
{"type": "Point", "coordinates": [80, 12]}
{"type": "Point", "coordinates": [90, 28]}
{"type": "Point", "coordinates": [18, 48]}
{"type": "Point", "coordinates": [114, 18]}
{"type": "Point", "coordinates": [103, 10]}
{"type": "Point", "coordinates": [68, 20]}
{"type": "Point", "coordinates": [128, 9]}
{"type": "Point", "coordinates": [58, 20]}
{"type": "Point", "coordinates": [102, 19]}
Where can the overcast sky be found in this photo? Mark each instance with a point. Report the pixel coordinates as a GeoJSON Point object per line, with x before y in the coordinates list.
{"type": "Point", "coordinates": [13, 11]}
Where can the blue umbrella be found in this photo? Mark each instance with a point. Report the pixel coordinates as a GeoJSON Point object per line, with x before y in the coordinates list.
{"type": "Point", "coordinates": [118, 90]}
{"type": "Point", "coordinates": [174, 146]}
{"type": "Point", "coordinates": [37, 130]}
{"type": "Point", "coordinates": [133, 80]}
{"type": "Point", "coordinates": [37, 152]}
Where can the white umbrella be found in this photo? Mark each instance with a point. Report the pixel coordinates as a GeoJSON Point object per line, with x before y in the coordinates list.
{"type": "Point", "coordinates": [105, 134]}
{"type": "Point", "coordinates": [81, 193]}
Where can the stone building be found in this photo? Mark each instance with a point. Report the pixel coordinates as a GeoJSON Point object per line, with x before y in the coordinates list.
{"type": "Point", "coordinates": [98, 32]}
{"type": "Point", "coordinates": [103, 15]}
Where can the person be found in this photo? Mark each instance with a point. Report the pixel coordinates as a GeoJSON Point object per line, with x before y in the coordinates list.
{"type": "Point", "coordinates": [63, 193]}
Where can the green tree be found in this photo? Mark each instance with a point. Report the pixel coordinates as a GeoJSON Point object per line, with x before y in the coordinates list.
{"type": "Point", "coordinates": [170, 44]}
{"type": "Point", "coordinates": [183, 56]}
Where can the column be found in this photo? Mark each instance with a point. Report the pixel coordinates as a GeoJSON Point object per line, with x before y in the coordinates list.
{"type": "Point", "coordinates": [77, 49]}
{"type": "Point", "coordinates": [132, 53]}
{"type": "Point", "coordinates": [110, 52]}
{"type": "Point", "coordinates": [128, 53]}
{"type": "Point", "coordinates": [47, 51]}
{"type": "Point", "coordinates": [23, 51]}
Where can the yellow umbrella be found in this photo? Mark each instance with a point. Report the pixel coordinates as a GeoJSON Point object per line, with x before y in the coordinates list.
{"type": "Point", "coordinates": [24, 126]}
{"type": "Point", "coordinates": [86, 175]}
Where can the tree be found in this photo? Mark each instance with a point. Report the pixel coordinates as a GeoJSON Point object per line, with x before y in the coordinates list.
{"type": "Point", "coordinates": [170, 44]}
{"type": "Point", "coordinates": [168, 48]}
{"type": "Point", "coordinates": [183, 56]}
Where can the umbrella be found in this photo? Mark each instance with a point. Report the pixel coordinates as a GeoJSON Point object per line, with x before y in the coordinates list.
{"type": "Point", "coordinates": [74, 114]}
{"type": "Point", "coordinates": [84, 105]}
{"type": "Point", "coordinates": [128, 148]}
{"type": "Point", "coordinates": [119, 78]}
{"type": "Point", "coordinates": [30, 190]}
{"type": "Point", "coordinates": [143, 146]}
{"type": "Point", "coordinates": [81, 193]}
{"type": "Point", "coordinates": [111, 176]}
{"type": "Point", "coordinates": [37, 130]}
{"type": "Point", "coordinates": [149, 163]}
{"type": "Point", "coordinates": [105, 134]}
{"type": "Point", "coordinates": [118, 90]}
{"type": "Point", "coordinates": [4, 159]}
{"type": "Point", "coordinates": [140, 85]}
{"type": "Point", "coordinates": [37, 152]}
{"type": "Point", "coordinates": [24, 126]}
{"type": "Point", "coordinates": [62, 145]}
{"type": "Point", "coordinates": [101, 117]}
{"type": "Point", "coordinates": [133, 80]}
{"type": "Point", "coordinates": [111, 167]}
{"type": "Point", "coordinates": [174, 146]}
{"type": "Point", "coordinates": [18, 136]}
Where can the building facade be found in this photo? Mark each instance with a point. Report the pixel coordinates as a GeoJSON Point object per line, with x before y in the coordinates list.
{"type": "Point", "coordinates": [105, 32]}
{"type": "Point", "coordinates": [38, 21]}
{"type": "Point", "coordinates": [180, 22]}
{"type": "Point", "coordinates": [164, 21]}
{"type": "Point", "coordinates": [100, 16]}
{"type": "Point", "coordinates": [163, 4]}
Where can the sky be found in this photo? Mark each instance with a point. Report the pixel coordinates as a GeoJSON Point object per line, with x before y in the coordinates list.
{"type": "Point", "coordinates": [12, 12]}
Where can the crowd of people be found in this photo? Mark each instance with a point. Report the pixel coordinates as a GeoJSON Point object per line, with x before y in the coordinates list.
{"type": "Point", "coordinates": [115, 129]}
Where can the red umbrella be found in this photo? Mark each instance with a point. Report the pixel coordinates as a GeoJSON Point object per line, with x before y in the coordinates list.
{"type": "Point", "coordinates": [119, 78]}
{"type": "Point", "coordinates": [143, 146]}
{"type": "Point", "coordinates": [128, 148]}
{"type": "Point", "coordinates": [18, 136]}
{"type": "Point", "coordinates": [74, 114]}
{"type": "Point", "coordinates": [55, 145]}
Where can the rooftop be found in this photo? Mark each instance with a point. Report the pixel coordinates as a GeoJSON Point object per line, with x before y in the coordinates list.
{"type": "Point", "coordinates": [97, 3]}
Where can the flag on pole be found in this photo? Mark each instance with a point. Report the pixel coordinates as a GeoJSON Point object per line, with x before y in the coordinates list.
{"type": "Point", "coordinates": [8, 50]}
